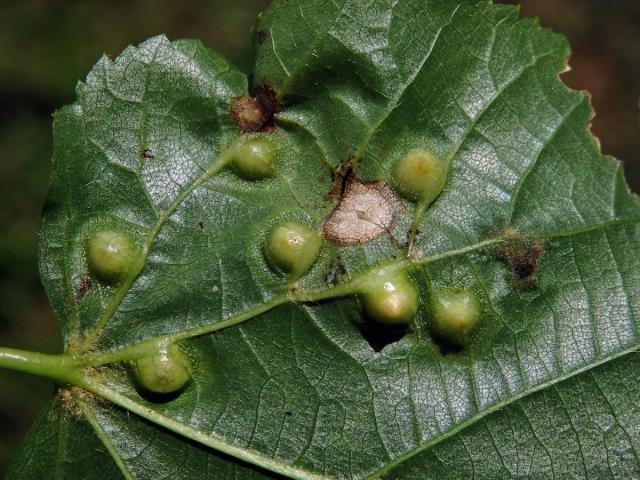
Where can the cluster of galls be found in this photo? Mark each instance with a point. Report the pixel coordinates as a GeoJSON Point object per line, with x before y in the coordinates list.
{"type": "Point", "coordinates": [391, 298]}
{"type": "Point", "coordinates": [290, 249]}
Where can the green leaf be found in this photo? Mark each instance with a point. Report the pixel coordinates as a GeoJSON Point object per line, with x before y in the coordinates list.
{"type": "Point", "coordinates": [104, 443]}
{"type": "Point", "coordinates": [61, 446]}
{"type": "Point", "coordinates": [533, 220]}
{"type": "Point", "coordinates": [584, 427]}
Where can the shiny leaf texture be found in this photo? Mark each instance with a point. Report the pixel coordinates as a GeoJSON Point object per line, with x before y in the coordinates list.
{"type": "Point", "coordinates": [286, 380]}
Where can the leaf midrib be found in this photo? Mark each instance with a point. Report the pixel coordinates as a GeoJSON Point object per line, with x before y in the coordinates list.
{"type": "Point", "coordinates": [62, 439]}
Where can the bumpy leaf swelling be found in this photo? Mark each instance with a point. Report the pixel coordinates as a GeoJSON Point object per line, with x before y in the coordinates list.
{"type": "Point", "coordinates": [532, 219]}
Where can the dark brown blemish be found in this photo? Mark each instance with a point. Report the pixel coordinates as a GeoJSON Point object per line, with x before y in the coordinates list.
{"type": "Point", "coordinates": [268, 101]}
{"type": "Point", "coordinates": [288, 413]}
{"type": "Point", "coordinates": [366, 210]}
{"type": "Point", "coordinates": [340, 178]}
{"type": "Point", "coordinates": [262, 36]}
{"type": "Point", "coordinates": [84, 287]}
{"type": "Point", "coordinates": [524, 259]}
{"type": "Point", "coordinates": [147, 153]}
{"type": "Point", "coordinates": [200, 225]}
{"type": "Point", "coordinates": [255, 114]}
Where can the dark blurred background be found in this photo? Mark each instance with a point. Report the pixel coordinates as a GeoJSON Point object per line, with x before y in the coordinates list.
{"type": "Point", "coordinates": [47, 45]}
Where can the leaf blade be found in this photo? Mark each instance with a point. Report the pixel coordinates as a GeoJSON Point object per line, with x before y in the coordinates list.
{"type": "Point", "coordinates": [542, 436]}
{"type": "Point", "coordinates": [299, 386]}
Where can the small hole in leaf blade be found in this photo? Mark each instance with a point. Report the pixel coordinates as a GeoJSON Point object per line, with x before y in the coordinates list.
{"type": "Point", "coordinates": [379, 336]}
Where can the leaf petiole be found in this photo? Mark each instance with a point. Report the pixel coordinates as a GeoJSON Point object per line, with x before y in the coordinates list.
{"type": "Point", "coordinates": [63, 368]}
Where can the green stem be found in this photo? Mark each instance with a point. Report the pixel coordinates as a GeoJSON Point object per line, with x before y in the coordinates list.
{"type": "Point", "coordinates": [62, 368]}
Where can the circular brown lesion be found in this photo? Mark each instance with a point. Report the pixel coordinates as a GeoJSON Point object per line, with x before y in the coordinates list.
{"type": "Point", "coordinates": [255, 114]}
{"type": "Point", "coordinates": [366, 210]}
{"type": "Point", "coordinates": [247, 114]}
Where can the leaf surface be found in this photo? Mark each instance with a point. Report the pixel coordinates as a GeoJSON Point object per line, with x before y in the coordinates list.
{"type": "Point", "coordinates": [584, 427]}
{"type": "Point", "coordinates": [294, 388]}
{"type": "Point", "coordinates": [60, 446]}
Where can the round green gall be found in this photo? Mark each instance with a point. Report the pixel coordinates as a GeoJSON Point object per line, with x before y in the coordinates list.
{"type": "Point", "coordinates": [420, 176]}
{"type": "Point", "coordinates": [253, 158]}
{"type": "Point", "coordinates": [165, 371]}
{"type": "Point", "coordinates": [291, 248]}
{"type": "Point", "coordinates": [112, 255]}
{"type": "Point", "coordinates": [455, 314]}
{"type": "Point", "coordinates": [391, 300]}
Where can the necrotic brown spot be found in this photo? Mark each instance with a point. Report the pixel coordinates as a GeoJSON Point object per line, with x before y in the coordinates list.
{"type": "Point", "coordinates": [247, 114]}
{"type": "Point", "coordinates": [255, 114]}
{"type": "Point", "coordinates": [524, 259]}
{"type": "Point", "coordinates": [366, 211]}
{"type": "Point", "coordinates": [83, 287]}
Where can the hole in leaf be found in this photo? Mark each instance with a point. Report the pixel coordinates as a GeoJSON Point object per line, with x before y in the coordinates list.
{"type": "Point", "coordinates": [379, 336]}
{"type": "Point", "coordinates": [447, 347]}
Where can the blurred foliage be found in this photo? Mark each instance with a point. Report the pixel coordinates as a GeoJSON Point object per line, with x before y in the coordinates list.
{"type": "Point", "coordinates": [47, 45]}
